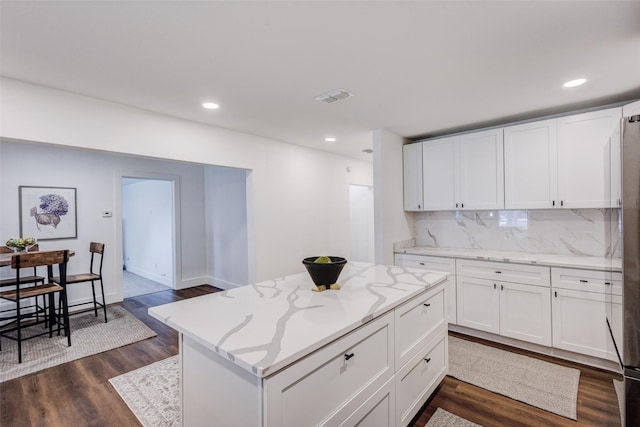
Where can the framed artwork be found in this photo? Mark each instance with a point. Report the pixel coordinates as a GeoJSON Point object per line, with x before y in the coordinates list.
{"type": "Point", "coordinates": [48, 213]}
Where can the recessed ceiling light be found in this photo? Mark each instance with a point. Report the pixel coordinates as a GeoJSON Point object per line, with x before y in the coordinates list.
{"type": "Point", "coordinates": [210, 105]}
{"type": "Point", "coordinates": [574, 83]}
{"type": "Point", "coordinates": [330, 139]}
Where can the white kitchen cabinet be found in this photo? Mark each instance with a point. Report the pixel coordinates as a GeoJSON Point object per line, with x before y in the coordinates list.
{"type": "Point", "coordinates": [464, 172]}
{"type": "Point", "coordinates": [440, 169]}
{"type": "Point", "coordinates": [582, 301]}
{"type": "Point", "coordinates": [478, 304]}
{"type": "Point", "coordinates": [525, 312]}
{"type": "Point", "coordinates": [412, 173]}
{"type": "Point", "coordinates": [419, 377]}
{"type": "Point", "coordinates": [531, 165]}
{"type": "Point", "coordinates": [442, 265]}
{"type": "Point", "coordinates": [584, 165]}
{"type": "Point", "coordinates": [329, 385]}
{"type": "Point", "coordinates": [481, 170]}
{"type": "Point", "coordinates": [506, 299]}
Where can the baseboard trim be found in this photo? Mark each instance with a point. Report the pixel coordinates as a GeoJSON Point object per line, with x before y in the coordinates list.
{"type": "Point", "coordinates": [160, 279]}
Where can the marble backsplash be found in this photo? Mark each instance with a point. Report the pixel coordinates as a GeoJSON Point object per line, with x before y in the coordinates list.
{"type": "Point", "coordinates": [561, 231]}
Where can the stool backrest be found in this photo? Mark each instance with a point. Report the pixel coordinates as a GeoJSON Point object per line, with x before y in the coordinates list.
{"type": "Point", "coordinates": [37, 259]}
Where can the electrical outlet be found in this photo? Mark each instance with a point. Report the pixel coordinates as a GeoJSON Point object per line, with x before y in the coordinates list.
{"type": "Point", "coordinates": [107, 214]}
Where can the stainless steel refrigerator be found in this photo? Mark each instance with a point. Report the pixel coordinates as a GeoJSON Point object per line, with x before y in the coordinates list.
{"type": "Point", "coordinates": [629, 348]}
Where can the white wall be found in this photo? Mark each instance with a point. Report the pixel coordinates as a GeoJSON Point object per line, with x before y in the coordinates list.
{"type": "Point", "coordinates": [147, 229]}
{"type": "Point", "coordinates": [226, 213]}
{"type": "Point", "coordinates": [300, 196]}
{"type": "Point", "coordinates": [392, 223]}
{"type": "Point", "coordinates": [96, 176]}
{"type": "Point", "coordinates": [361, 223]}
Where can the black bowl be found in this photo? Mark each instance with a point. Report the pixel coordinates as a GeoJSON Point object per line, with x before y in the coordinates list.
{"type": "Point", "coordinates": [324, 274]}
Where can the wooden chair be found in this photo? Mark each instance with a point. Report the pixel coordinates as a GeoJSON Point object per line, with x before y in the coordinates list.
{"type": "Point", "coordinates": [25, 318]}
{"type": "Point", "coordinates": [26, 279]}
{"type": "Point", "coordinates": [97, 250]}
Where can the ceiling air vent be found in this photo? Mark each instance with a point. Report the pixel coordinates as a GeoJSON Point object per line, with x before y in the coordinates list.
{"type": "Point", "coordinates": [333, 96]}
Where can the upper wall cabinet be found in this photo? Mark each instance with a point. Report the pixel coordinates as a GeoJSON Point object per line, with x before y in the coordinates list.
{"type": "Point", "coordinates": [464, 172]}
{"type": "Point", "coordinates": [584, 162]}
{"type": "Point", "coordinates": [412, 173]}
{"type": "Point", "coordinates": [530, 165]}
{"type": "Point", "coordinates": [440, 171]}
{"type": "Point", "coordinates": [570, 162]}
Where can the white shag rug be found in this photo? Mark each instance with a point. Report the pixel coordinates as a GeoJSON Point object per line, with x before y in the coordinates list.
{"type": "Point", "coordinates": [544, 385]}
{"type": "Point", "coordinates": [89, 335]}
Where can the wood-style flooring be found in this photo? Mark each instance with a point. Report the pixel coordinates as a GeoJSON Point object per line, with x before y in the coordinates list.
{"type": "Point", "coordinates": [78, 393]}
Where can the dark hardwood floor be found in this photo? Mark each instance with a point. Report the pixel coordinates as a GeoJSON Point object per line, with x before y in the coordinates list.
{"type": "Point", "coordinates": [78, 393]}
{"type": "Point", "coordinates": [597, 400]}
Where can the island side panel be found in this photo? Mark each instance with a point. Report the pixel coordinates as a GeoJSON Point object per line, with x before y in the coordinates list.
{"type": "Point", "coordinates": [215, 391]}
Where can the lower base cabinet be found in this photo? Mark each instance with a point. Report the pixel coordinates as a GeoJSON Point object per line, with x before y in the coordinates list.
{"type": "Point", "coordinates": [583, 301]}
{"type": "Point", "coordinates": [419, 377]}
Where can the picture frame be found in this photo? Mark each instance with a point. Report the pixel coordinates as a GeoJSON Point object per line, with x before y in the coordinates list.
{"type": "Point", "coordinates": [48, 213]}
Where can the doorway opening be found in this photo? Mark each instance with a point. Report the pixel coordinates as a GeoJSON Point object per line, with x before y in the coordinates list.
{"type": "Point", "coordinates": [361, 223]}
{"type": "Point", "coordinates": [148, 235]}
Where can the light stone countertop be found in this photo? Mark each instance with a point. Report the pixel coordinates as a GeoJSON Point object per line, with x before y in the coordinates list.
{"type": "Point", "coordinates": [269, 325]}
{"type": "Point", "coordinates": [549, 260]}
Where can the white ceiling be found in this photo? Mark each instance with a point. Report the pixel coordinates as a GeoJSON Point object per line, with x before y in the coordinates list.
{"type": "Point", "coordinates": [417, 68]}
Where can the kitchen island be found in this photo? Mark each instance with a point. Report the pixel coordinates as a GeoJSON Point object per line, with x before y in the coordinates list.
{"type": "Point", "coordinates": [278, 354]}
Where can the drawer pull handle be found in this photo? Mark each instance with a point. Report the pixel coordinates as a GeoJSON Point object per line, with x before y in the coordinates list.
{"type": "Point", "coordinates": [498, 272]}
{"type": "Point", "coordinates": [607, 283]}
{"type": "Point", "coordinates": [422, 263]}
{"type": "Point", "coordinates": [348, 356]}
{"type": "Point", "coordinates": [428, 359]}
{"type": "Point", "coordinates": [584, 281]}
{"type": "Point", "coordinates": [427, 305]}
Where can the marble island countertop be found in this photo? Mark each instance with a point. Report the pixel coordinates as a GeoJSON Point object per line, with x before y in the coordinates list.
{"type": "Point", "coordinates": [550, 260]}
{"type": "Point", "coordinates": [269, 325]}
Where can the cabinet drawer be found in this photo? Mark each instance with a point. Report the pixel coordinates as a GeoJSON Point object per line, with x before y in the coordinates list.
{"type": "Point", "coordinates": [506, 272]}
{"type": "Point", "coordinates": [420, 376]}
{"type": "Point", "coordinates": [587, 280]}
{"type": "Point", "coordinates": [417, 321]}
{"type": "Point", "coordinates": [378, 411]}
{"type": "Point", "coordinates": [444, 265]}
{"type": "Point", "coordinates": [331, 383]}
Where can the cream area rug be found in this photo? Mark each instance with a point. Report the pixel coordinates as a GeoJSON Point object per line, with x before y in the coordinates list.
{"type": "Point", "coordinates": [442, 418]}
{"type": "Point", "coordinates": [89, 335]}
{"type": "Point", "coordinates": [538, 383]}
{"type": "Point", "coordinates": [152, 392]}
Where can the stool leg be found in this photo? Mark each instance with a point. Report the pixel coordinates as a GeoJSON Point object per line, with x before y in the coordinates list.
{"type": "Point", "coordinates": [65, 314]}
{"type": "Point", "coordinates": [52, 314]}
{"type": "Point", "coordinates": [104, 302]}
{"type": "Point", "coordinates": [95, 303]}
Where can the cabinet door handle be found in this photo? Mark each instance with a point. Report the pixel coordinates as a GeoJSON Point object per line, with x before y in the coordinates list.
{"type": "Point", "coordinates": [561, 203]}
{"type": "Point", "coordinates": [418, 206]}
{"type": "Point", "coordinates": [553, 203]}
{"type": "Point", "coordinates": [456, 205]}
{"type": "Point", "coordinates": [584, 281]}
{"type": "Point", "coordinates": [494, 286]}
{"type": "Point", "coordinates": [427, 305]}
{"type": "Point", "coordinates": [556, 294]}
{"type": "Point", "coordinates": [428, 359]}
{"type": "Point", "coordinates": [502, 287]}
{"type": "Point", "coordinates": [348, 356]}
{"type": "Point", "coordinates": [462, 205]}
